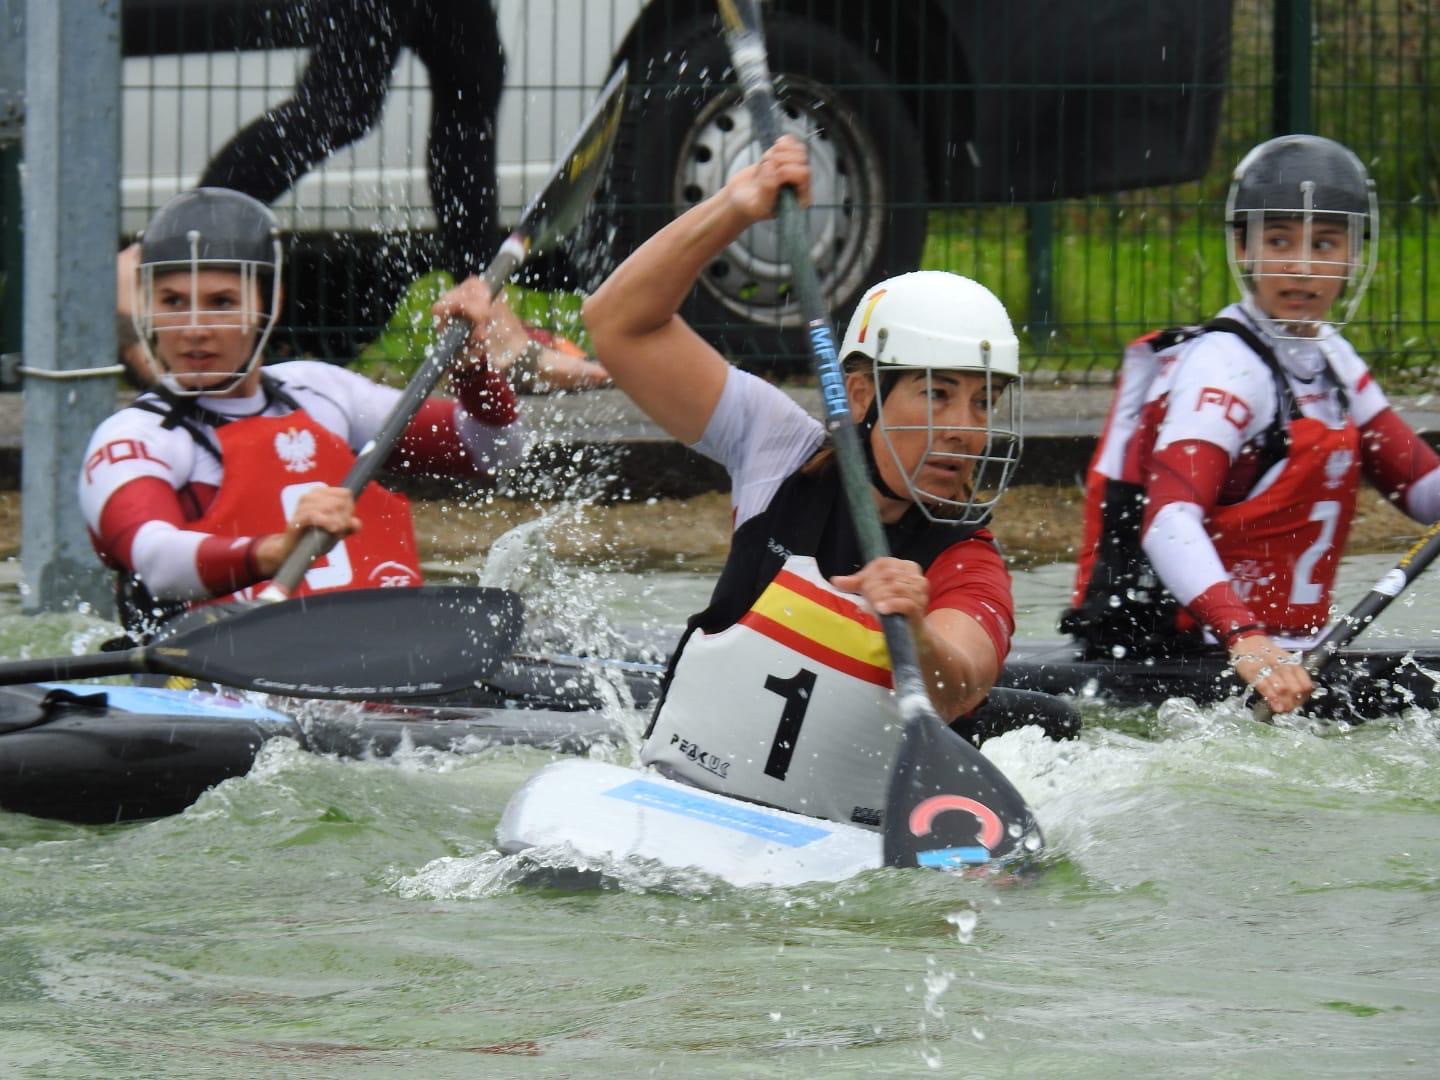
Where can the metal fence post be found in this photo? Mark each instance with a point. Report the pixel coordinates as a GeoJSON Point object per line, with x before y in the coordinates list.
{"type": "Point", "coordinates": [1294, 34]}
{"type": "Point", "coordinates": [12, 119]}
{"type": "Point", "coordinates": [71, 216]}
{"type": "Point", "coordinates": [1040, 265]}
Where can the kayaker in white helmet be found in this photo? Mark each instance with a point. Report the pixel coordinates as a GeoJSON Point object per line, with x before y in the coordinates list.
{"type": "Point", "coordinates": [780, 690]}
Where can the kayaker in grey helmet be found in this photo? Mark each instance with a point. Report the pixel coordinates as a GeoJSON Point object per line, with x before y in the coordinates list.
{"type": "Point", "coordinates": [198, 490]}
{"type": "Point", "coordinates": [780, 690]}
{"type": "Point", "coordinates": [1221, 493]}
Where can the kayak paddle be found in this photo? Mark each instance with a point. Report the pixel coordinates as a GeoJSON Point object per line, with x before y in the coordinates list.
{"type": "Point", "coordinates": [355, 644]}
{"type": "Point", "coordinates": [1351, 625]}
{"type": "Point", "coordinates": [550, 214]}
{"type": "Point", "coordinates": [935, 770]}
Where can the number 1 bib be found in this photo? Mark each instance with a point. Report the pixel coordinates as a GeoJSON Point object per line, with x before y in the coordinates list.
{"type": "Point", "coordinates": [791, 706]}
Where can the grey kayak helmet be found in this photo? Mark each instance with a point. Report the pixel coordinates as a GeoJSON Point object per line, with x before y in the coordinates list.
{"type": "Point", "coordinates": [208, 229]}
{"type": "Point", "coordinates": [1307, 178]}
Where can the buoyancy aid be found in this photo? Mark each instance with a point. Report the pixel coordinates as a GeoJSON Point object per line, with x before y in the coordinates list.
{"type": "Point", "coordinates": [1126, 610]}
{"type": "Point", "coordinates": [780, 690]}
{"type": "Point", "coordinates": [270, 462]}
{"type": "Point", "coordinates": [1282, 547]}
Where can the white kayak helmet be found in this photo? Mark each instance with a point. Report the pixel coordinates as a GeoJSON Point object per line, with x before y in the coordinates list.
{"type": "Point", "coordinates": [932, 320]}
{"type": "Point", "coordinates": [1307, 178]}
{"type": "Point", "coordinates": [209, 229]}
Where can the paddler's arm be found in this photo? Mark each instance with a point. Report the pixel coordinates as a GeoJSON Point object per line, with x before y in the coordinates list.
{"type": "Point", "coordinates": [1182, 489]}
{"type": "Point", "coordinates": [329, 508]}
{"type": "Point", "coordinates": [672, 373]}
{"type": "Point", "coordinates": [957, 657]}
{"type": "Point", "coordinates": [141, 528]}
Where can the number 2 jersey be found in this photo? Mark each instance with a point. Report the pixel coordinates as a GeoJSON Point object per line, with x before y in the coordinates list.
{"type": "Point", "coordinates": [177, 492]}
{"type": "Point", "coordinates": [1246, 529]}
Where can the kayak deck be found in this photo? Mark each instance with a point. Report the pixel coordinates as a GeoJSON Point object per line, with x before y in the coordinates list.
{"type": "Point", "coordinates": [1361, 684]}
{"type": "Point", "coordinates": [600, 815]}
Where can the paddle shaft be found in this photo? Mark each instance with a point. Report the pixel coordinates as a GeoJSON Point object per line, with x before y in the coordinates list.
{"type": "Point", "coordinates": [747, 50]}
{"type": "Point", "coordinates": [1381, 595]}
{"type": "Point", "coordinates": [66, 668]}
{"type": "Point", "coordinates": [551, 213]}
{"type": "Point", "coordinates": [315, 541]}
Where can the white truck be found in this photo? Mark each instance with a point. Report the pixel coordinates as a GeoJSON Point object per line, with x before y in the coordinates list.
{"type": "Point", "coordinates": [906, 107]}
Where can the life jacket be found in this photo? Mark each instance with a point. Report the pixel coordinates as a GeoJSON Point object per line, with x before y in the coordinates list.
{"type": "Point", "coordinates": [270, 462]}
{"type": "Point", "coordinates": [780, 690]}
{"type": "Point", "coordinates": [1125, 611]}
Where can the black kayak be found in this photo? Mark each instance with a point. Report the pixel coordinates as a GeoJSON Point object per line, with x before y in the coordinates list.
{"type": "Point", "coordinates": [96, 754]}
{"type": "Point", "coordinates": [99, 754]}
{"type": "Point", "coordinates": [1363, 683]}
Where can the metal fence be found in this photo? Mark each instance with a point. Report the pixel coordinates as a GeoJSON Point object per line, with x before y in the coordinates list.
{"type": "Point", "coordinates": [1095, 271]}
{"type": "Point", "coordinates": [1072, 156]}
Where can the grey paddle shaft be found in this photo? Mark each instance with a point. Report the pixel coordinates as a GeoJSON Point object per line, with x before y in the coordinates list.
{"type": "Point", "coordinates": [1381, 595]}
{"type": "Point", "coordinates": [65, 668]}
{"type": "Point", "coordinates": [747, 52]}
{"type": "Point", "coordinates": [315, 541]}
{"type": "Point", "coordinates": [554, 211]}
{"type": "Point", "coordinates": [945, 804]}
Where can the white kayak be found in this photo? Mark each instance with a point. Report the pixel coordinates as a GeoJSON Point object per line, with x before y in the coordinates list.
{"type": "Point", "coordinates": [607, 813]}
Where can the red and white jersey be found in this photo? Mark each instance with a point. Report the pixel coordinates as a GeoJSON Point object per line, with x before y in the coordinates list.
{"type": "Point", "coordinates": [143, 483]}
{"type": "Point", "coordinates": [1195, 441]}
{"type": "Point", "coordinates": [274, 461]}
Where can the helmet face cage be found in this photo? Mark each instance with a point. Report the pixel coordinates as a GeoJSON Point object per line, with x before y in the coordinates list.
{"type": "Point", "coordinates": [257, 312]}
{"type": "Point", "coordinates": [990, 468]}
{"type": "Point", "coordinates": [1361, 221]}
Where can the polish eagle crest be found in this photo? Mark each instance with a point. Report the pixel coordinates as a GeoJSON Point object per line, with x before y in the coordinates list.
{"type": "Point", "coordinates": [296, 448]}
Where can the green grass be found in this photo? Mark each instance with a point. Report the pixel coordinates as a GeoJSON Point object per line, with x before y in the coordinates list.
{"type": "Point", "coordinates": [395, 354]}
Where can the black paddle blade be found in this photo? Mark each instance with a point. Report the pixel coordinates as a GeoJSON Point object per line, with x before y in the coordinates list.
{"type": "Point", "coordinates": [949, 808]}
{"type": "Point", "coordinates": [555, 210]}
{"type": "Point", "coordinates": [365, 643]}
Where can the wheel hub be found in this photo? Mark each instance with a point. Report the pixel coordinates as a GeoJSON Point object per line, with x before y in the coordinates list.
{"type": "Point", "coordinates": [844, 222]}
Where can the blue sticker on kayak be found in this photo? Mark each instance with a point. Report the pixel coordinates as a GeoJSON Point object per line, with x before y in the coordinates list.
{"type": "Point", "coordinates": [726, 814]}
{"type": "Point", "coordinates": [157, 701]}
{"type": "Point", "coordinates": [952, 858]}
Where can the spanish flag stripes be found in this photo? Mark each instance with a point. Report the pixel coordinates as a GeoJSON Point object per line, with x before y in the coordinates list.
{"type": "Point", "coordinates": [825, 626]}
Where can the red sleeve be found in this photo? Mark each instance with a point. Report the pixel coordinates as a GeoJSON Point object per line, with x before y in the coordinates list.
{"type": "Point", "coordinates": [1394, 457]}
{"type": "Point", "coordinates": [971, 577]}
{"type": "Point", "coordinates": [223, 563]}
{"type": "Point", "coordinates": [142, 500]}
{"type": "Point", "coordinates": [227, 563]}
{"type": "Point", "coordinates": [432, 443]}
{"type": "Point", "coordinates": [1194, 471]}
{"type": "Point", "coordinates": [488, 397]}
{"type": "Point", "coordinates": [1189, 471]}
{"type": "Point", "coordinates": [1221, 610]}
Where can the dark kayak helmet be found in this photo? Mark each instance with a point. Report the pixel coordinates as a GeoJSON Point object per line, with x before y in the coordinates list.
{"type": "Point", "coordinates": [209, 229]}
{"type": "Point", "coordinates": [1310, 179]}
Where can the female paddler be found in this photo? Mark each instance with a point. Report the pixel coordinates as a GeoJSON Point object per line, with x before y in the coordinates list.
{"type": "Point", "coordinates": [780, 690]}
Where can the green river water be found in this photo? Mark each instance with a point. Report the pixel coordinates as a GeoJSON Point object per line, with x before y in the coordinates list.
{"type": "Point", "coordinates": [1219, 899]}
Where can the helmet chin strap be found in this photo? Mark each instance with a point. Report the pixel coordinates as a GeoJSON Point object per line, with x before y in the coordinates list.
{"type": "Point", "coordinates": [866, 429]}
